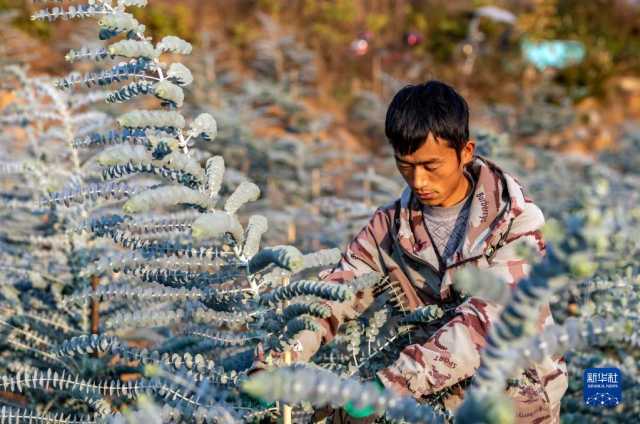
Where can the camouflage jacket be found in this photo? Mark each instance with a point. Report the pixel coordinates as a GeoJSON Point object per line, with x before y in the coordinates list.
{"type": "Point", "coordinates": [395, 242]}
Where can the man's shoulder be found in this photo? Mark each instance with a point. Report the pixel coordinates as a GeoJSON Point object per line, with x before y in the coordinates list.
{"type": "Point", "coordinates": [520, 195]}
{"type": "Point", "coordinates": [530, 218]}
{"type": "Point", "coordinates": [382, 216]}
{"type": "Point", "coordinates": [388, 209]}
{"type": "Point", "coordinates": [390, 205]}
{"type": "Point", "coordinates": [403, 198]}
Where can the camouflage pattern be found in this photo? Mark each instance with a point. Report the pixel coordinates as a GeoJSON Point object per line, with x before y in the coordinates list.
{"type": "Point", "coordinates": [500, 216]}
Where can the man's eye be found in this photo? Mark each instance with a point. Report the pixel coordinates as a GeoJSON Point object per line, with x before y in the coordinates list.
{"type": "Point", "coordinates": [410, 168]}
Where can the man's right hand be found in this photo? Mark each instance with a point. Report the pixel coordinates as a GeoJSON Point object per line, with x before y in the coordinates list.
{"type": "Point", "coordinates": [260, 364]}
{"type": "Point", "coordinates": [264, 360]}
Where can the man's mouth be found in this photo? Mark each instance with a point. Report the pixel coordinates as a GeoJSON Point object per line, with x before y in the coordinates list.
{"type": "Point", "coordinates": [426, 195]}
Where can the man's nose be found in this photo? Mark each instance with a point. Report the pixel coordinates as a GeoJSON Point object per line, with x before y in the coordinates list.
{"type": "Point", "coordinates": [420, 179]}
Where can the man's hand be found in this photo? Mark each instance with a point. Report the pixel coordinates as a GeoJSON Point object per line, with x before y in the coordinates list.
{"type": "Point", "coordinates": [275, 358]}
{"type": "Point", "coordinates": [263, 361]}
{"type": "Point", "coordinates": [260, 363]}
{"type": "Point", "coordinates": [255, 369]}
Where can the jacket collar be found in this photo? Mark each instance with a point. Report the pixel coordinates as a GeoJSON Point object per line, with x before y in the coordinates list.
{"type": "Point", "coordinates": [497, 198]}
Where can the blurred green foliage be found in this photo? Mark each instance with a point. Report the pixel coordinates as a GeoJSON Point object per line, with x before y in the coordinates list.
{"type": "Point", "coordinates": [442, 30]}
{"type": "Point", "coordinates": [174, 18]}
{"type": "Point", "coordinates": [38, 29]}
{"type": "Point", "coordinates": [243, 33]}
{"type": "Point", "coordinates": [609, 28]}
{"type": "Point", "coordinates": [331, 22]}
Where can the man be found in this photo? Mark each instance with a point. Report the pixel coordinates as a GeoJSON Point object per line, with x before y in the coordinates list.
{"type": "Point", "coordinates": [458, 209]}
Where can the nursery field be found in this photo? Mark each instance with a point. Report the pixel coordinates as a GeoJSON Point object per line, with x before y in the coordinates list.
{"type": "Point", "coordinates": [164, 227]}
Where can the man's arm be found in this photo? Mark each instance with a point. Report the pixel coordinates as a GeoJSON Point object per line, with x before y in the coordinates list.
{"type": "Point", "coordinates": [361, 256]}
{"type": "Point", "coordinates": [451, 354]}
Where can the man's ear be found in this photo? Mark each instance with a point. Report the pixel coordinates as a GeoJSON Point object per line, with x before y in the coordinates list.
{"type": "Point", "coordinates": [467, 152]}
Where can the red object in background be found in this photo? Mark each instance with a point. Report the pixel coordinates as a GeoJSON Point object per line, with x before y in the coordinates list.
{"type": "Point", "coordinates": [413, 38]}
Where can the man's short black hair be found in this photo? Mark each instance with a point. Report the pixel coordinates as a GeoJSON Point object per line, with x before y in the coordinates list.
{"type": "Point", "coordinates": [432, 107]}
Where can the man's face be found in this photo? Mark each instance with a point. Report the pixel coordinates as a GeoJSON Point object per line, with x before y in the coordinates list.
{"type": "Point", "coordinates": [434, 173]}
